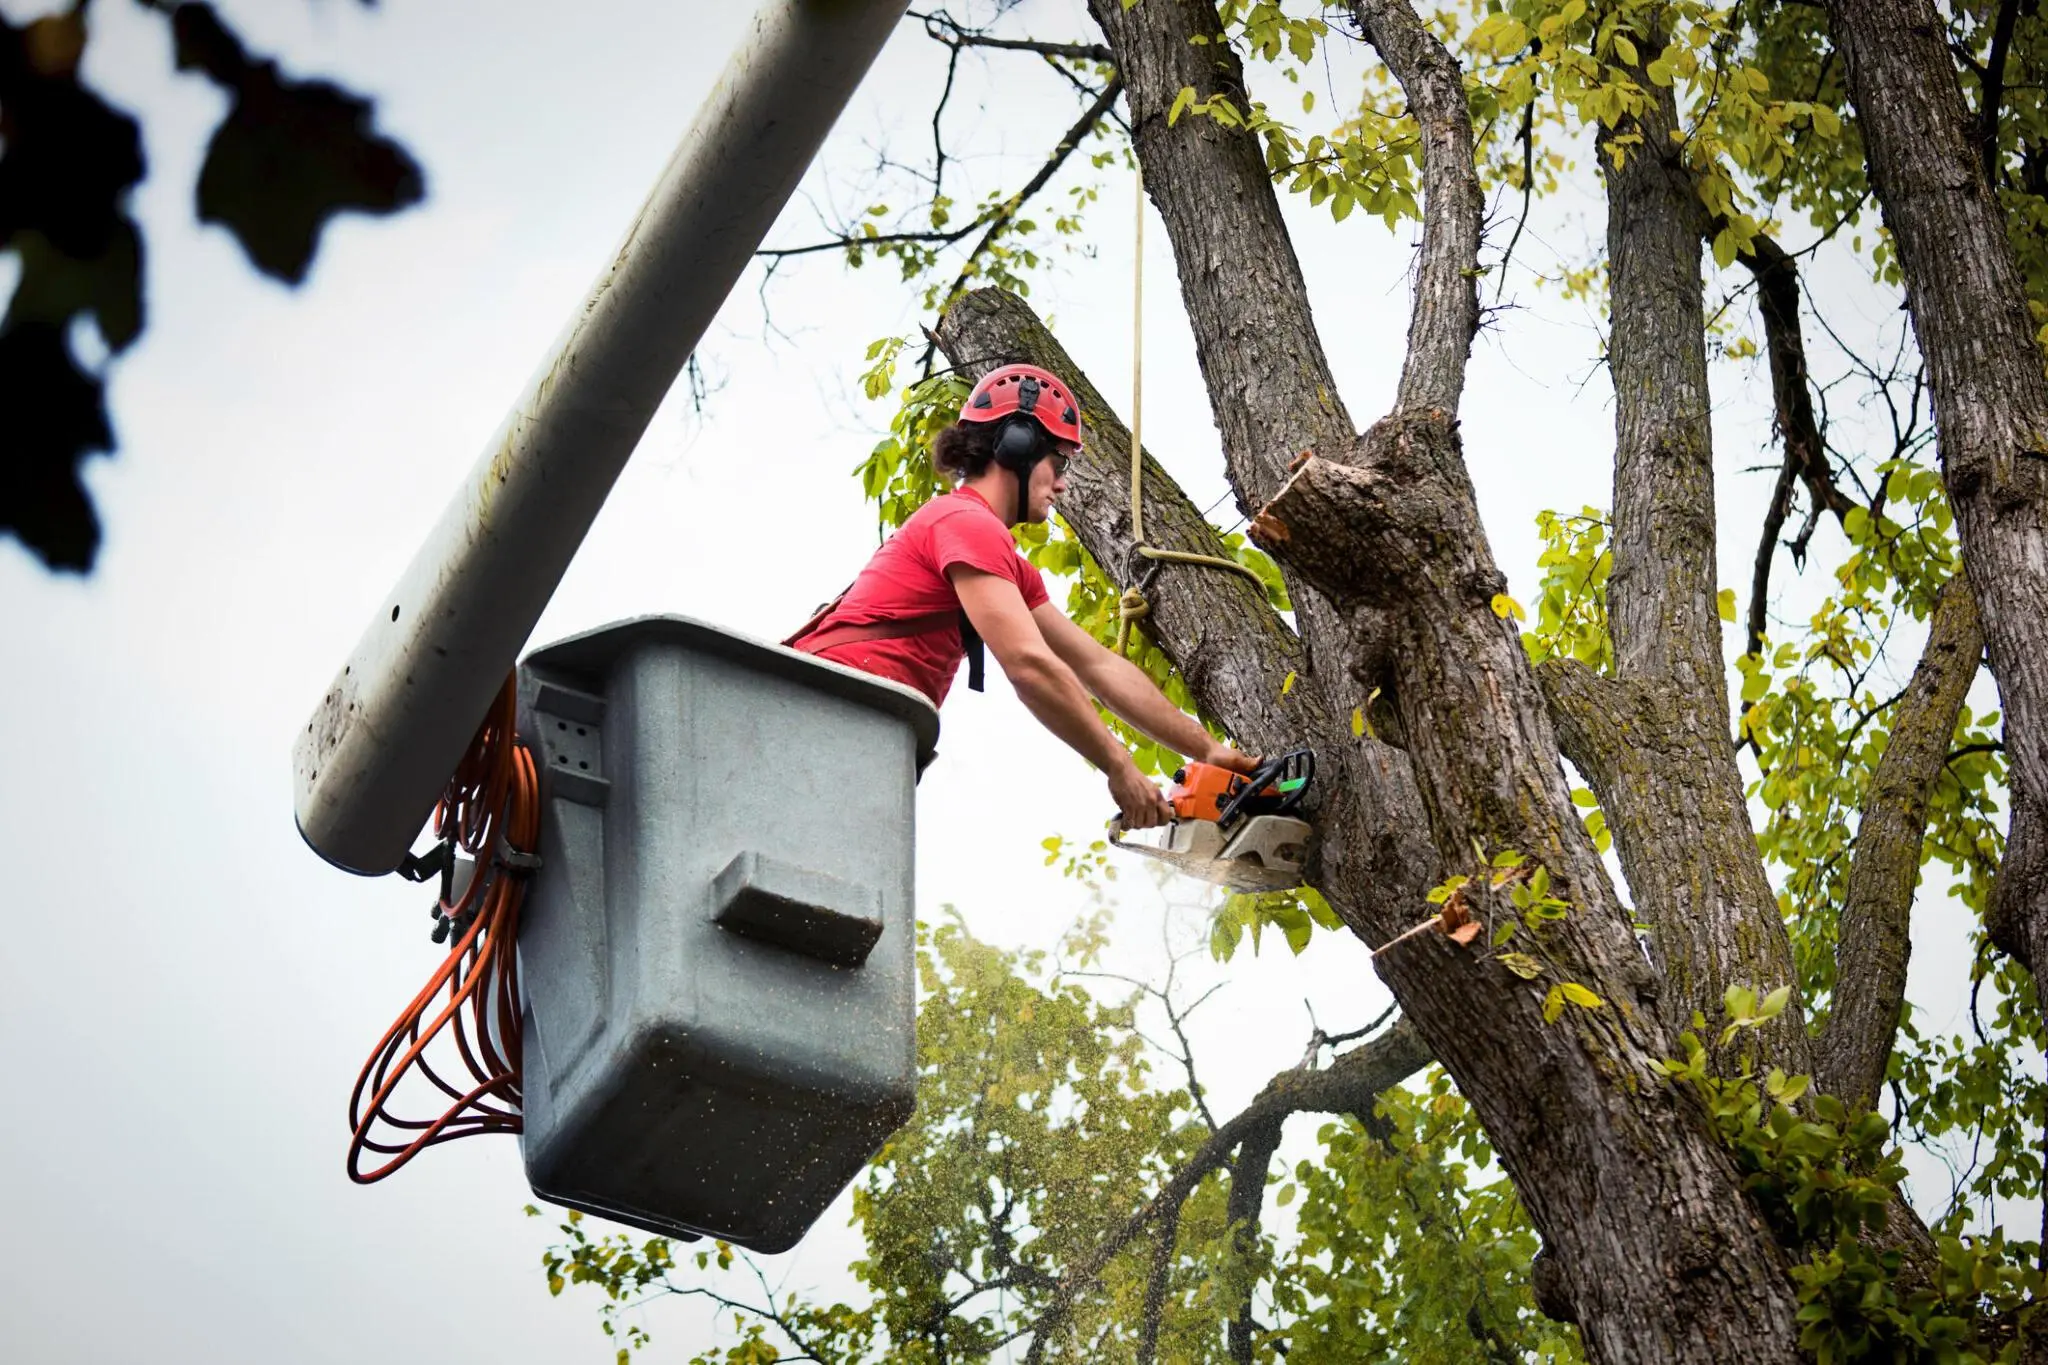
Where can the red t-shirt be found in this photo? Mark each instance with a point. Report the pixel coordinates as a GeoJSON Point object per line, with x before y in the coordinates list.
{"type": "Point", "coordinates": [907, 577]}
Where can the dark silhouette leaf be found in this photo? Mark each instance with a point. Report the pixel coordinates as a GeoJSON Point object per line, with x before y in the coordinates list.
{"type": "Point", "coordinates": [56, 415]}
{"type": "Point", "coordinates": [67, 162]}
{"type": "Point", "coordinates": [290, 154]}
{"type": "Point", "coordinates": [56, 287]}
{"type": "Point", "coordinates": [70, 158]}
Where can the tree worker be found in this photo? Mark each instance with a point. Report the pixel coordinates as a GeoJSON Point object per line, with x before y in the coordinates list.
{"type": "Point", "coordinates": [951, 580]}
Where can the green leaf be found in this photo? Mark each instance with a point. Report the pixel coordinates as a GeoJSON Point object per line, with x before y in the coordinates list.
{"type": "Point", "coordinates": [1724, 248]}
{"type": "Point", "coordinates": [1521, 964]}
{"type": "Point", "coordinates": [1580, 996]}
{"type": "Point", "coordinates": [1181, 102]}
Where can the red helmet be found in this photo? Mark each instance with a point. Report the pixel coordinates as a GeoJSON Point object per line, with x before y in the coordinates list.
{"type": "Point", "coordinates": [1029, 390]}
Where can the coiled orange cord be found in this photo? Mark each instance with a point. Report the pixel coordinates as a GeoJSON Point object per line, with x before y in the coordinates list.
{"type": "Point", "coordinates": [491, 811]}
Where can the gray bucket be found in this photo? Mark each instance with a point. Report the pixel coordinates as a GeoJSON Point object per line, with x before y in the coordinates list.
{"type": "Point", "coordinates": [717, 953]}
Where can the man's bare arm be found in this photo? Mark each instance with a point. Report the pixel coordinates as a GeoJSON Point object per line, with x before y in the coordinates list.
{"type": "Point", "coordinates": [1123, 687]}
{"type": "Point", "coordinates": [1048, 687]}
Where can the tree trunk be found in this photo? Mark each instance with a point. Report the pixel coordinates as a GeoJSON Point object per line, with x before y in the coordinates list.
{"type": "Point", "coordinates": [1661, 1258]}
{"type": "Point", "coordinates": [1666, 775]}
{"type": "Point", "coordinates": [1989, 391]}
{"type": "Point", "coordinates": [1659, 1254]}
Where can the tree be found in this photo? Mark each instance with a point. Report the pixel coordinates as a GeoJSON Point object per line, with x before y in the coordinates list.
{"type": "Point", "coordinates": [1049, 1199]}
{"type": "Point", "coordinates": [287, 156]}
{"type": "Point", "coordinates": [1688, 1121]}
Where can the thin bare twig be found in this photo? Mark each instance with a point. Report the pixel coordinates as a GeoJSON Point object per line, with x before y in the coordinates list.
{"type": "Point", "coordinates": [1007, 212]}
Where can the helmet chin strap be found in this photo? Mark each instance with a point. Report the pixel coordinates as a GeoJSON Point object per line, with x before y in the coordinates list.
{"type": "Point", "coordinates": [1017, 503]}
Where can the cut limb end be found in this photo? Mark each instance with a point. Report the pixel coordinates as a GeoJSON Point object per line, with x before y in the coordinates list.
{"type": "Point", "coordinates": [1269, 531]}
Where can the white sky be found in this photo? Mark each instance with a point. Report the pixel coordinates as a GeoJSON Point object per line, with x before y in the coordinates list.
{"type": "Point", "coordinates": [188, 992]}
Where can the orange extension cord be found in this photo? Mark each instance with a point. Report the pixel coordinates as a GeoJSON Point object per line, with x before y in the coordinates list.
{"type": "Point", "coordinates": [491, 811]}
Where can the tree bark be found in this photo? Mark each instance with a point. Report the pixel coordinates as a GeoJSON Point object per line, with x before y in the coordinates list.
{"type": "Point", "coordinates": [1870, 965]}
{"type": "Point", "coordinates": [1660, 1256]}
{"type": "Point", "coordinates": [1990, 394]}
{"type": "Point", "coordinates": [1671, 789]}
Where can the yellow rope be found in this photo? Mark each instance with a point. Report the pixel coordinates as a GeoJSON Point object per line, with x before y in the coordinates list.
{"type": "Point", "coordinates": [1132, 606]}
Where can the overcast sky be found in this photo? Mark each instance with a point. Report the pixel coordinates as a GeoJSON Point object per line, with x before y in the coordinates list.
{"type": "Point", "coordinates": [187, 992]}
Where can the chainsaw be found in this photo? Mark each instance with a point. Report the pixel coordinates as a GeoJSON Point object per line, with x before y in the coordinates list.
{"type": "Point", "coordinates": [1232, 829]}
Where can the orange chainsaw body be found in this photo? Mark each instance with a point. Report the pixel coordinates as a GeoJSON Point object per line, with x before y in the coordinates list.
{"type": "Point", "coordinates": [1200, 791]}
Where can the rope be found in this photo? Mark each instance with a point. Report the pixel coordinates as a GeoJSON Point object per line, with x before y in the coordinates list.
{"type": "Point", "coordinates": [490, 810]}
{"type": "Point", "coordinates": [1133, 606]}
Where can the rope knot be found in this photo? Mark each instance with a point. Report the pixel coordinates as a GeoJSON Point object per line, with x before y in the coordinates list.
{"type": "Point", "coordinates": [1131, 606]}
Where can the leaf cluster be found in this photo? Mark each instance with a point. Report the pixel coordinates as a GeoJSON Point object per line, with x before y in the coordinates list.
{"type": "Point", "coordinates": [1822, 1178]}
{"type": "Point", "coordinates": [1412, 1245]}
{"type": "Point", "coordinates": [287, 156]}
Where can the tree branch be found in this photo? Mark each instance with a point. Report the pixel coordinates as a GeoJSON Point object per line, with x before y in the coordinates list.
{"type": "Point", "coordinates": [943, 28]}
{"type": "Point", "coordinates": [1247, 1200]}
{"type": "Point", "coordinates": [1446, 307]}
{"type": "Point", "coordinates": [1992, 78]}
{"type": "Point", "coordinates": [1155, 1287]}
{"type": "Point", "coordinates": [1176, 1019]}
{"type": "Point", "coordinates": [1680, 823]}
{"type": "Point", "coordinates": [1349, 1086]}
{"type": "Point", "coordinates": [1767, 553]}
{"type": "Point", "coordinates": [879, 239]}
{"type": "Point", "coordinates": [1777, 279]}
{"type": "Point", "coordinates": [1528, 141]}
{"type": "Point", "coordinates": [992, 224]}
{"type": "Point", "coordinates": [1873, 942]}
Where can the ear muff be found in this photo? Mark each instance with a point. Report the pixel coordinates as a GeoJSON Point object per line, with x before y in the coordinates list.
{"type": "Point", "coordinates": [1019, 444]}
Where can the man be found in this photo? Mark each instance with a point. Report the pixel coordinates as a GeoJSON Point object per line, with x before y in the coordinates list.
{"type": "Point", "coordinates": [951, 580]}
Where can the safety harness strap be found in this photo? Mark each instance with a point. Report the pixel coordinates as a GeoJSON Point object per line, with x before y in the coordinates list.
{"type": "Point", "coordinates": [815, 637]}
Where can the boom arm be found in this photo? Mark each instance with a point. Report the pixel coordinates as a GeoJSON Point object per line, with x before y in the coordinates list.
{"type": "Point", "coordinates": [379, 747]}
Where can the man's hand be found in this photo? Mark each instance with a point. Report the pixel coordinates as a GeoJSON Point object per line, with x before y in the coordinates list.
{"type": "Point", "coordinates": [1223, 756]}
{"type": "Point", "coordinates": [1140, 804]}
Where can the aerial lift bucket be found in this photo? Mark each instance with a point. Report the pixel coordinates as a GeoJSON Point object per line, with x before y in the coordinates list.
{"type": "Point", "coordinates": [717, 952]}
